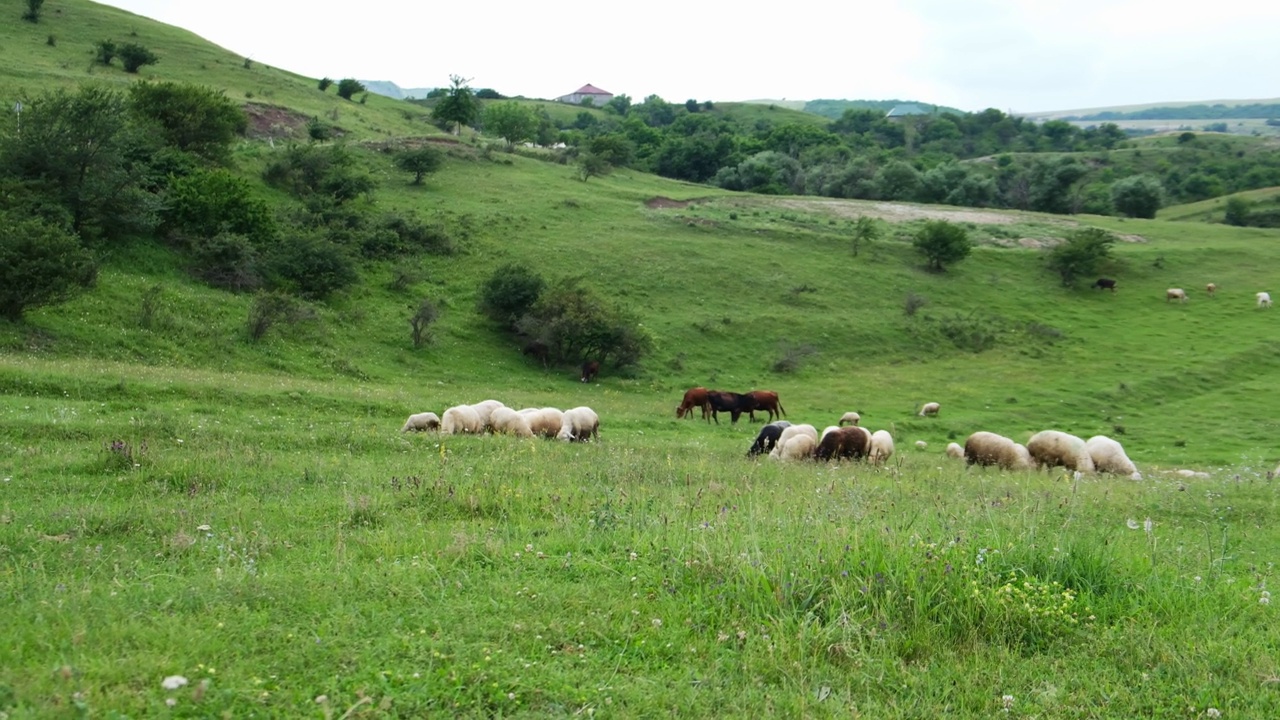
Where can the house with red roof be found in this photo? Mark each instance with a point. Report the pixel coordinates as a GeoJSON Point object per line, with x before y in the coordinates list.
{"type": "Point", "coordinates": [598, 97]}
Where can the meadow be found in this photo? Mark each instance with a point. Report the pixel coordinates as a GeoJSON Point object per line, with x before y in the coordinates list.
{"type": "Point", "coordinates": [179, 501]}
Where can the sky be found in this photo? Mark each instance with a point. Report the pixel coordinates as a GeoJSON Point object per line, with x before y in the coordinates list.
{"type": "Point", "coordinates": [1014, 55]}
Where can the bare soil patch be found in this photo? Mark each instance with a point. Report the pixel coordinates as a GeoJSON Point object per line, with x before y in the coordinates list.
{"type": "Point", "coordinates": [665, 202]}
{"type": "Point", "coordinates": [273, 121]}
{"type": "Point", "coordinates": [896, 212]}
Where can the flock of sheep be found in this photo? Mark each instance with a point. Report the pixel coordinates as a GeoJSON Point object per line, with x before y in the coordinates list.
{"type": "Point", "coordinates": [1263, 298]}
{"type": "Point", "coordinates": [579, 424]}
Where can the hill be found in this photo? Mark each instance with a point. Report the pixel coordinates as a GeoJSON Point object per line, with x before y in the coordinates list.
{"type": "Point", "coordinates": [1202, 109]}
{"type": "Point", "coordinates": [392, 90]}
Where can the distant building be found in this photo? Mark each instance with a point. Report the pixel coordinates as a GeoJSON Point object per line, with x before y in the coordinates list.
{"type": "Point", "coordinates": [906, 110]}
{"type": "Point", "coordinates": [598, 97]}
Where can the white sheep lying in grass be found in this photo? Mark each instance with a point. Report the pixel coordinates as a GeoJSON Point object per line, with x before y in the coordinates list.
{"type": "Point", "coordinates": [1051, 448]}
{"type": "Point", "coordinates": [461, 419]}
{"type": "Point", "coordinates": [579, 424]}
{"type": "Point", "coordinates": [881, 447]}
{"type": "Point", "coordinates": [484, 410]}
{"type": "Point", "coordinates": [545, 422]}
{"type": "Point", "coordinates": [422, 421]}
{"type": "Point", "coordinates": [791, 432]}
{"type": "Point", "coordinates": [851, 418]}
{"type": "Point", "coordinates": [1108, 456]}
{"type": "Point", "coordinates": [988, 448]}
{"type": "Point", "coordinates": [506, 421]}
{"type": "Point", "coordinates": [955, 451]}
{"type": "Point", "coordinates": [930, 409]}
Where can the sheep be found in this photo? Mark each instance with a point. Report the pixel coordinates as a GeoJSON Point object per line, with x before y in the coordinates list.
{"type": "Point", "coordinates": [797, 447]}
{"type": "Point", "coordinates": [484, 409]}
{"type": "Point", "coordinates": [881, 447]}
{"type": "Point", "coordinates": [851, 442]}
{"type": "Point", "coordinates": [1264, 299]}
{"type": "Point", "coordinates": [827, 431]}
{"type": "Point", "coordinates": [461, 419]}
{"type": "Point", "coordinates": [988, 448]}
{"type": "Point", "coordinates": [422, 421]}
{"type": "Point", "coordinates": [1108, 456]}
{"type": "Point", "coordinates": [1175, 294]}
{"type": "Point", "coordinates": [580, 424]}
{"type": "Point", "coordinates": [767, 440]}
{"type": "Point", "coordinates": [790, 432]}
{"type": "Point", "coordinates": [955, 451]}
{"type": "Point", "coordinates": [545, 422]}
{"type": "Point", "coordinates": [1210, 289]}
{"type": "Point", "coordinates": [930, 409]}
{"type": "Point", "coordinates": [852, 418]}
{"type": "Point", "coordinates": [920, 444]}
{"type": "Point", "coordinates": [1051, 448]}
{"type": "Point", "coordinates": [509, 422]}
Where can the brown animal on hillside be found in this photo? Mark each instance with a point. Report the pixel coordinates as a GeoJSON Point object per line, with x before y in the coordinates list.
{"type": "Point", "coordinates": [1105, 284]}
{"type": "Point", "coordinates": [589, 370]}
{"type": "Point", "coordinates": [767, 400]}
{"type": "Point", "coordinates": [1211, 288]}
{"type": "Point", "coordinates": [851, 443]}
{"type": "Point", "coordinates": [695, 398]}
{"type": "Point", "coordinates": [731, 402]}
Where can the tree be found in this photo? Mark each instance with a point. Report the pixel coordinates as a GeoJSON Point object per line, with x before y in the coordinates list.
{"type": "Point", "coordinates": [194, 119]}
{"type": "Point", "coordinates": [618, 104]}
{"type": "Point", "coordinates": [489, 94]}
{"type": "Point", "coordinates": [32, 14]}
{"type": "Point", "coordinates": [134, 56]}
{"type": "Point", "coordinates": [865, 230]}
{"type": "Point", "coordinates": [324, 83]}
{"type": "Point", "coordinates": [510, 121]}
{"type": "Point", "coordinates": [1081, 255]}
{"type": "Point", "coordinates": [458, 106]}
{"type": "Point", "coordinates": [206, 203]}
{"type": "Point", "coordinates": [942, 243]}
{"type": "Point", "coordinates": [1051, 182]}
{"type": "Point", "coordinates": [348, 87]}
{"type": "Point", "coordinates": [40, 264]}
{"type": "Point", "coordinates": [591, 165]}
{"type": "Point", "coordinates": [420, 162]}
{"type": "Point", "coordinates": [1138, 196]}
{"type": "Point", "coordinates": [421, 321]}
{"type": "Point", "coordinates": [106, 51]}
{"type": "Point", "coordinates": [509, 293]}
{"type": "Point", "coordinates": [1237, 211]}
{"type": "Point", "coordinates": [897, 181]}
{"type": "Point", "coordinates": [575, 324]}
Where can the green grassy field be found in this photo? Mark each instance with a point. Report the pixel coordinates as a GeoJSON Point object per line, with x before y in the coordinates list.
{"type": "Point", "coordinates": [176, 500]}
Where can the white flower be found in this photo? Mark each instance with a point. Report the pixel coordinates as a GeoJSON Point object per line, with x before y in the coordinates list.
{"type": "Point", "coordinates": [1265, 599]}
{"type": "Point", "coordinates": [170, 701]}
{"type": "Point", "coordinates": [657, 622]}
{"type": "Point", "coordinates": [173, 682]}
{"type": "Point", "coordinates": [204, 528]}
{"type": "Point", "coordinates": [1007, 702]}
{"type": "Point", "coordinates": [1148, 526]}
{"type": "Point", "coordinates": [1213, 713]}
{"type": "Point", "coordinates": [1133, 524]}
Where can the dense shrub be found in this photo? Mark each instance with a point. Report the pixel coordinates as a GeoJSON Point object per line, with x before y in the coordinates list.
{"type": "Point", "coordinates": [105, 51]}
{"type": "Point", "coordinates": [1138, 196]}
{"type": "Point", "coordinates": [510, 292]}
{"type": "Point", "coordinates": [575, 325]}
{"type": "Point", "coordinates": [1081, 255]}
{"type": "Point", "coordinates": [226, 260]}
{"type": "Point", "coordinates": [191, 118]}
{"type": "Point", "coordinates": [942, 242]}
{"type": "Point", "coordinates": [326, 175]}
{"type": "Point", "coordinates": [347, 87]}
{"type": "Point", "coordinates": [134, 57]}
{"type": "Point", "coordinates": [40, 264]}
{"type": "Point", "coordinates": [310, 266]}
{"type": "Point", "coordinates": [420, 162]}
{"type": "Point", "coordinates": [206, 203]}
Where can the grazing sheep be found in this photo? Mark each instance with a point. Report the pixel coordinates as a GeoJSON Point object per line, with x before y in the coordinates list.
{"type": "Point", "coordinates": [930, 409]}
{"type": "Point", "coordinates": [545, 422]}
{"type": "Point", "coordinates": [920, 444]}
{"type": "Point", "coordinates": [851, 418]}
{"type": "Point", "coordinates": [827, 431]}
{"type": "Point", "coordinates": [797, 447]}
{"type": "Point", "coordinates": [988, 448]}
{"type": "Point", "coordinates": [461, 419]}
{"type": "Point", "coordinates": [1264, 299]}
{"type": "Point", "coordinates": [1108, 457]}
{"type": "Point", "coordinates": [767, 440]}
{"type": "Point", "coordinates": [509, 422]}
{"type": "Point", "coordinates": [484, 409]}
{"type": "Point", "coordinates": [579, 424]}
{"type": "Point", "coordinates": [851, 442]}
{"type": "Point", "coordinates": [881, 447]}
{"type": "Point", "coordinates": [1051, 448]}
{"type": "Point", "coordinates": [790, 432]}
{"type": "Point", "coordinates": [1210, 289]}
{"type": "Point", "coordinates": [1175, 294]}
{"type": "Point", "coordinates": [955, 451]}
{"type": "Point", "coordinates": [422, 421]}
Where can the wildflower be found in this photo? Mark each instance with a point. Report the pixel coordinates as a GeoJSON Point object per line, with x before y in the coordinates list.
{"type": "Point", "coordinates": [1265, 599]}
{"type": "Point", "coordinates": [1148, 526]}
{"type": "Point", "coordinates": [657, 622]}
{"type": "Point", "coordinates": [170, 701]}
{"type": "Point", "coordinates": [1007, 702]}
{"type": "Point", "coordinates": [1133, 524]}
{"type": "Point", "coordinates": [1213, 713]}
{"type": "Point", "coordinates": [204, 528]}
{"type": "Point", "coordinates": [173, 682]}
{"type": "Point", "coordinates": [322, 699]}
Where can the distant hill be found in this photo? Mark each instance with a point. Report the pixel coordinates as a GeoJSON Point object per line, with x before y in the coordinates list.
{"type": "Point", "coordinates": [1201, 110]}
{"type": "Point", "coordinates": [392, 90]}
{"type": "Point", "coordinates": [835, 108]}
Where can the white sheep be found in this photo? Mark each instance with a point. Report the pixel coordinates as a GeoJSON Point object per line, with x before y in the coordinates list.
{"type": "Point", "coordinates": [1108, 457]}
{"type": "Point", "coordinates": [1051, 448]}
{"type": "Point", "coordinates": [1175, 294]}
{"type": "Point", "coordinates": [484, 409]}
{"type": "Point", "coordinates": [509, 422]}
{"type": "Point", "coordinates": [988, 448]}
{"type": "Point", "coordinates": [461, 419]}
{"type": "Point", "coordinates": [1264, 299]}
{"type": "Point", "coordinates": [930, 409]}
{"type": "Point", "coordinates": [827, 431]}
{"type": "Point", "coordinates": [851, 418]}
{"type": "Point", "coordinates": [788, 433]}
{"type": "Point", "coordinates": [1210, 289]}
{"type": "Point", "coordinates": [579, 424]}
{"type": "Point", "coordinates": [881, 447]}
{"type": "Point", "coordinates": [920, 444]}
{"type": "Point", "coordinates": [545, 422]}
{"type": "Point", "coordinates": [955, 451]}
{"type": "Point", "coordinates": [797, 447]}
{"type": "Point", "coordinates": [422, 421]}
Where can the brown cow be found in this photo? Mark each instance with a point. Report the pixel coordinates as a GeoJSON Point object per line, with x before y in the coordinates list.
{"type": "Point", "coordinates": [589, 370]}
{"type": "Point", "coordinates": [695, 397]}
{"type": "Point", "coordinates": [767, 400]}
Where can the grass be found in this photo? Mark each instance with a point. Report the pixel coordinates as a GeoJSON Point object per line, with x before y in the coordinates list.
{"type": "Point", "coordinates": [178, 500]}
{"type": "Point", "coordinates": [1212, 209]}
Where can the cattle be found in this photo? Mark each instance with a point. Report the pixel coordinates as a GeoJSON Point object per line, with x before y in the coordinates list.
{"type": "Point", "coordinates": [589, 370]}
{"type": "Point", "coordinates": [767, 400]}
{"type": "Point", "coordinates": [694, 397]}
{"type": "Point", "coordinates": [1105, 284]}
{"type": "Point", "coordinates": [537, 350]}
{"type": "Point", "coordinates": [731, 402]}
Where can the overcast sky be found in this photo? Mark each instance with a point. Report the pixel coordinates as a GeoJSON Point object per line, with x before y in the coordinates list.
{"type": "Point", "coordinates": [1020, 55]}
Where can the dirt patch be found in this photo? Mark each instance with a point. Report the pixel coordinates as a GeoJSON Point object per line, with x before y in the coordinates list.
{"type": "Point", "coordinates": [1131, 238]}
{"type": "Point", "coordinates": [274, 122]}
{"type": "Point", "coordinates": [896, 212]}
{"type": "Point", "coordinates": [665, 202]}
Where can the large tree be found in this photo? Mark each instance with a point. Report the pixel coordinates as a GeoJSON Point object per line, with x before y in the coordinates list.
{"type": "Point", "coordinates": [1138, 196]}
{"type": "Point", "coordinates": [191, 118]}
{"type": "Point", "coordinates": [458, 106]}
{"type": "Point", "coordinates": [510, 121]}
{"type": "Point", "coordinates": [1081, 255]}
{"type": "Point", "coordinates": [942, 243]}
{"type": "Point", "coordinates": [40, 264]}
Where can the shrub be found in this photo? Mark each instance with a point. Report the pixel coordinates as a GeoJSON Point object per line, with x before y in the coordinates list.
{"type": "Point", "coordinates": [268, 308]}
{"type": "Point", "coordinates": [510, 292]}
{"type": "Point", "coordinates": [133, 56]}
{"type": "Point", "coordinates": [912, 304]}
{"type": "Point", "coordinates": [1081, 255]}
{"type": "Point", "coordinates": [227, 260]}
{"type": "Point", "coordinates": [420, 162]}
{"type": "Point", "coordinates": [792, 356]}
{"type": "Point", "coordinates": [310, 266]}
{"type": "Point", "coordinates": [421, 321]}
{"type": "Point", "coordinates": [348, 87]}
{"type": "Point", "coordinates": [32, 13]}
{"type": "Point", "coordinates": [324, 83]}
{"type": "Point", "coordinates": [40, 264]}
{"type": "Point", "coordinates": [575, 324]}
{"type": "Point", "coordinates": [149, 309]}
{"type": "Point", "coordinates": [191, 118]}
{"type": "Point", "coordinates": [319, 130]}
{"type": "Point", "coordinates": [942, 242]}
{"type": "Point", "coordinates": [327, 175]}
{"type": "Point", "coordinates": [416, 236]}
{"type": "Point", "coordinates": [865, 230]}
{"type": "Point", "coordinates": [206, 203]}
{"type": "Point", "coordinates": [1138, 196]}
{"type": "Point", "coordinates": [1237, 211]}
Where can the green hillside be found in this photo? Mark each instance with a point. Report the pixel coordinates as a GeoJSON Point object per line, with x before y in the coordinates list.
{"type": "Point", "coordinates": [198, 522]}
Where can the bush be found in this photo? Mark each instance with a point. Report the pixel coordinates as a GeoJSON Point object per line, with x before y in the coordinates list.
{"type": "Point", "coordinates": [1138, 196]}
{"type": "Point", "coordinates": [942, 242]}
{"type": "Point", "coordinates": [326, 175]}
{"type": "Point", "coordinates": [348, 87]}
{"type": "Point", "coordinates": [509, 293]}
{"type": "Point", "coordinates": [206, 203]}
{"type": "Point", "coordinates": [191, 118]}
{"type": "Point", "coordinates": [421, 321]}
{"type": "Point", "coordinates": [310, 266]}
{"type": "Point", "coordinates": [134, 56]}
{"type": "Point", "coordinates": [1081, 255]}
{"type": "Point", "coordinates": [226, 260]}
{"type": "Point", "coordinates": [324, 83]}
{"type": "Point", "coordinates": [912, 304]}
{"type": "Point", "coordinates": [791, 356]}
{"type": "Point", "coordinates": [1236, 211]}
{"type": "Point", "coordinates": [268, 309]}
{"type": "Point", "coordinates": [420, 162]}
{"type": "Point", "coordinates": [416, 236]}
{"type": "Point", "coordinates": [577, 325]}
{"type": "Point", "coordinates": [32, 13]}
{"type": "Point", "coordinates": [40, 264]}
